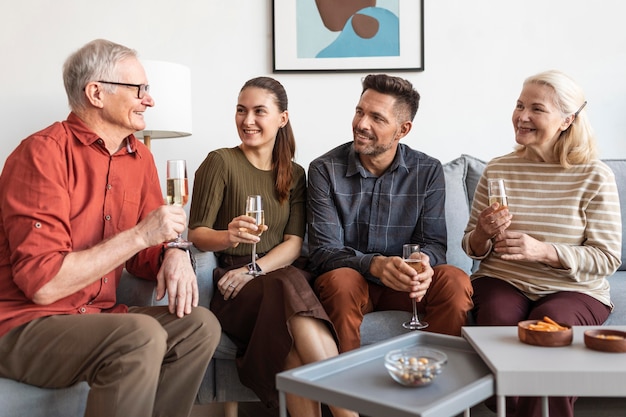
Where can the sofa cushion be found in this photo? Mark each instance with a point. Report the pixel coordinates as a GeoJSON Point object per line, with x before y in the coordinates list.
{"type": "Point", "coordinates": [618, 297]}
{"type": "Point", "coordinates": [474, 170]}
{"type": "Point", "coordinates": [457, 212]}
{"type": "Point", "coordinates": [383, 325]}
{"type": "Point", "coordinates": [619, 169]}
{"type": "Point", "coordinates": [461, 176]}
{"type": "Point", "coordinates": [20, 399]}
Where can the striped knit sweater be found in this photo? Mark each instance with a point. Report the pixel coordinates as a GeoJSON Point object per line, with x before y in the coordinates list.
{"type": "Point", "coordinates": [577, 210]}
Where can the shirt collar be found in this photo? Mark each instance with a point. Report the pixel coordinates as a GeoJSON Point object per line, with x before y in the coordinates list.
{"type": "Point", "coordinates": [355, 166]}
{"type": "Point", "coordinates": [87, 137]}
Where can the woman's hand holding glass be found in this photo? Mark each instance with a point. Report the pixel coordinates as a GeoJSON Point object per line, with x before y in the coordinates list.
{"type": "Point", "coordinates": [239, 230]}
{"type": "Point", "coordinates": [254, 210]}
{"type": "Point", "coordinates": [496, 218]}
{"type": "Point", "coordinates": [244, 229]}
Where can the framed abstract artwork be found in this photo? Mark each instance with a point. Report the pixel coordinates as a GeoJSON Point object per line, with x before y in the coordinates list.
{"type": "Point", "coordinates": [348, 35]}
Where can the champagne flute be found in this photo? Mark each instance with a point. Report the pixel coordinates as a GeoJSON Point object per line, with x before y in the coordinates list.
{"type": "Point", "coordinates": [254, 209]}
{"type": "Point", "coordinates": [497, 192]}
{"type": "Point", "coordinates": [177, 192]}
{"type": "Point", "coordinates": [412, 256]}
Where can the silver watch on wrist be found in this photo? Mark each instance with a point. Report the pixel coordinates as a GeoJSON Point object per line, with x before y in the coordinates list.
{"type": "Point", "coordinates": [251, 268]}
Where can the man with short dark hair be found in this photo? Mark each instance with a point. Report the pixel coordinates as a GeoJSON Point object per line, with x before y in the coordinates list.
{"type": "Point", "coordinates": [367, 198]}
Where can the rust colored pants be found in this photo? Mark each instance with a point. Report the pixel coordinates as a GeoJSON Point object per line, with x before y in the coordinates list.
{"type": "Point", "coordinates": [347, 296]}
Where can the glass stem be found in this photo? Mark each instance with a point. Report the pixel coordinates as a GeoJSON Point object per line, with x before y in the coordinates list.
{"type": "Point", "coordinates": [254, 258]}
{"type": "Point", "coordinates": [415, 316]}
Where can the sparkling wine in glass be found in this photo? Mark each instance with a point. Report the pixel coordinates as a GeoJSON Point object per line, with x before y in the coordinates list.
{"type": "Point", "coordinates": [177, 192]}
{"type": "Point", "coordinates": [254, 209]}
{"type": "Point", "coordinates": [412, 256]}
{"type": "Point", "coordinates": [497, 192]}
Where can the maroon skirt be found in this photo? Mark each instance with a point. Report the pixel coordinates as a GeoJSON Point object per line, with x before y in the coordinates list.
{"type": "Point", "coordinates": [257, 322]}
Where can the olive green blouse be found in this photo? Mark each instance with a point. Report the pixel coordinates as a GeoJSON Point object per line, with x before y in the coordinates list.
{"type": "Point", "coordinates": [222, 183]}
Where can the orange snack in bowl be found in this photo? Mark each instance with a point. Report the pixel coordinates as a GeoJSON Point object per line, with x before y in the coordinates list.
{"type": "Point", "coordinates": [547, 325]}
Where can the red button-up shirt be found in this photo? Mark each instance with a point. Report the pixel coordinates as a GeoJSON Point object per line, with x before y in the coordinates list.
{"type": "Point", "coordinates": [61, 191]}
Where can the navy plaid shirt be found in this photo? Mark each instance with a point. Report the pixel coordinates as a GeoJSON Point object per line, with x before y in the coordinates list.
{"type": "Point", "coordinates": [354, 215]}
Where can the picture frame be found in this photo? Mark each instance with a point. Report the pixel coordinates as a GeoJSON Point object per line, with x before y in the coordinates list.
{"type": "Point", "coordinates": [302, 40]}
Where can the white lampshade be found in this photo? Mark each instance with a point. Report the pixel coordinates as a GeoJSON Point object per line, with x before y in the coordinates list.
{"type": "Point", "coordinates": [170, 87]}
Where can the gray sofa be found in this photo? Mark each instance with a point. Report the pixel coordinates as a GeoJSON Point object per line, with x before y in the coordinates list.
{"type": "Point", "coordinates": [221, 383]}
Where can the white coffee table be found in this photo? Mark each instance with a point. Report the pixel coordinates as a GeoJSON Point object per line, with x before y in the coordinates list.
{"type": "Point", "coordinates": [527, 370]}
{"type": "Point", "coordinates": [358, 380]}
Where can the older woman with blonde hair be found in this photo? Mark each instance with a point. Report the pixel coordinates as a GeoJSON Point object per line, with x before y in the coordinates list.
{"type": "Point", "coordinates": [549, 251]}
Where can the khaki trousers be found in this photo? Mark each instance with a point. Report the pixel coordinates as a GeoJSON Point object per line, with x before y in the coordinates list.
{"type": "Point", "coordinates": [141, 364]}
{"type": "Point", "coordinates": [347, 296]}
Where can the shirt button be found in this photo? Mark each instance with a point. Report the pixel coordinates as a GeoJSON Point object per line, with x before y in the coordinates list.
{"type": "Point", "coordinates": [38, 225]}
{"type": "Point", "coordinates": [107, 217]}
{"type": "Point", "coordinates": [106, 280]}
{"type": "Point", "coordinates": [82, 310]}
{"type": "Point", "coordinates": [100, 141]}
{"type": "Point", "coordinates": [109, 186]}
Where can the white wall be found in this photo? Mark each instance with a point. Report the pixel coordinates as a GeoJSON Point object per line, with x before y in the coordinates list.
{"type": "Point", "coordinates": [477, 54]}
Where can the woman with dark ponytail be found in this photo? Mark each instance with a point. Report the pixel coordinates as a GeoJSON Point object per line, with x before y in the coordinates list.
{"type": "Point", "coordinates": [275, 319]}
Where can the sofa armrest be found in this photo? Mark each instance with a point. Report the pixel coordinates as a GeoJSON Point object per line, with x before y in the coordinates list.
{"type": "Point", "coordinates": [134, 291]}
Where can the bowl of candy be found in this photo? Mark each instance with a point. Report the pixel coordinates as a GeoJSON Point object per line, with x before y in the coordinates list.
{"type": "Point", "coordinates": [415, 366]}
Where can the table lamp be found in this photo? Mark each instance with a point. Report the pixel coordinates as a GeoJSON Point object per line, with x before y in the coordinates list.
{"type": "Point", "coordinates": [170, 87]}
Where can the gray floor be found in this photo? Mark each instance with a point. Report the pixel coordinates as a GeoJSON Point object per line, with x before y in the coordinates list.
{"type": "Point", "coordinates": [586, 407]}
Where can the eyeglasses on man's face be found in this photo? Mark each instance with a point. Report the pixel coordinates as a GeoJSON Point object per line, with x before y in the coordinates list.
{"type": "Point", "coordinates": [142, 89]}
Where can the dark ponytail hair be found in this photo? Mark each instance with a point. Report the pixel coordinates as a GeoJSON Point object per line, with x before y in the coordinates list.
{"type": "Point", "coordinates": [285, 144]}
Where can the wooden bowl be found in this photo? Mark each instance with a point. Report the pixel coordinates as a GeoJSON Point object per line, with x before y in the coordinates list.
{"type": "Point", "coordinates": [606, 340]}
{"type": "Point", "coordinates": [544, 338]}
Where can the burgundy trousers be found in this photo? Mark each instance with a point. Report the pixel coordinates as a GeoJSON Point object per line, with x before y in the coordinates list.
{"type": "Point", "coordinates": [347, 296]}
{"type": "Point", "coordinates": [497, 303]}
